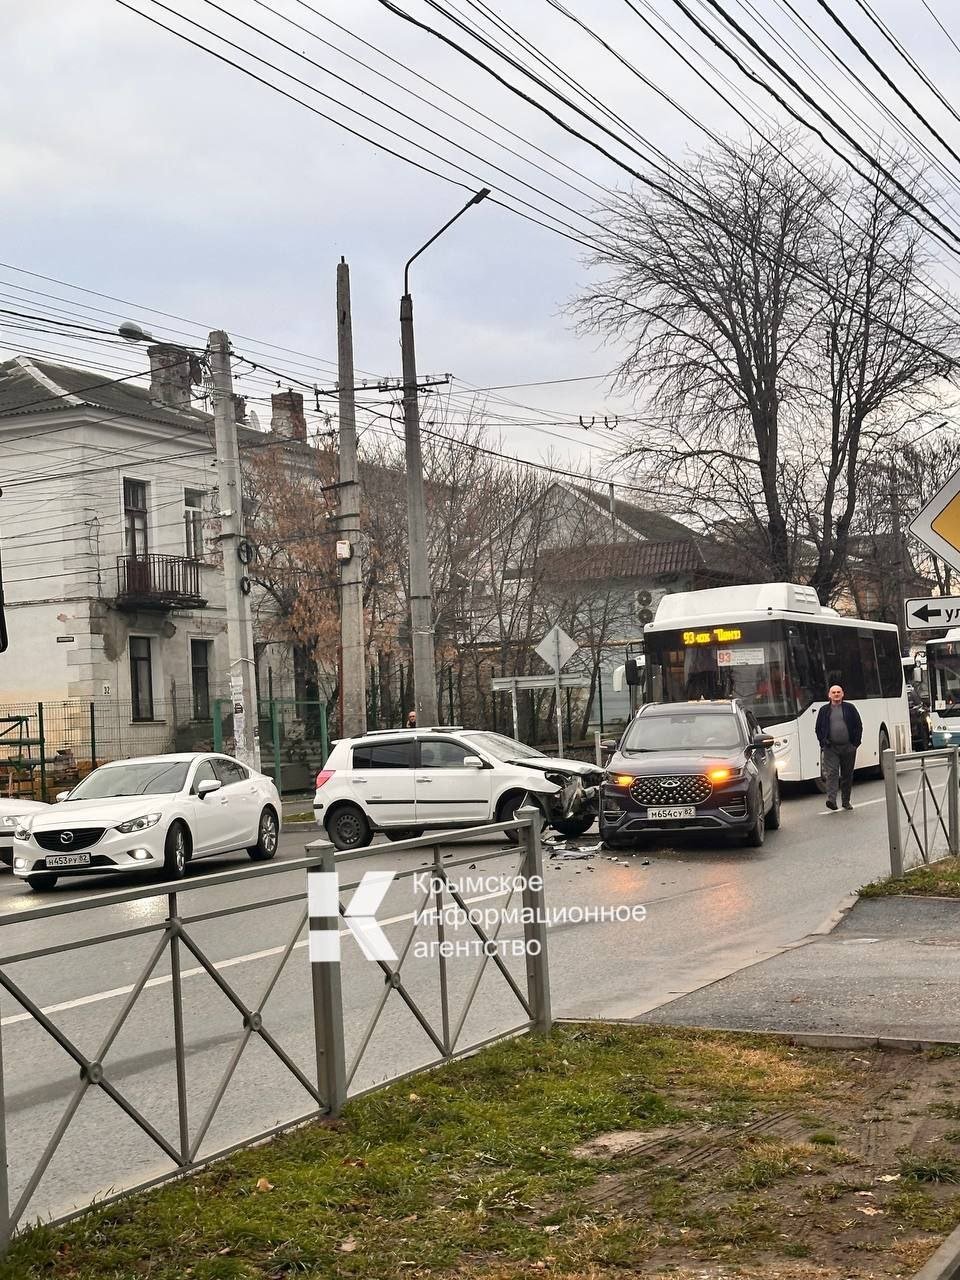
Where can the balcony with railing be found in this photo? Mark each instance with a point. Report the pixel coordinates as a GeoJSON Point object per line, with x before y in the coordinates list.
{"type": "Point", "coordinates": [158, 582]}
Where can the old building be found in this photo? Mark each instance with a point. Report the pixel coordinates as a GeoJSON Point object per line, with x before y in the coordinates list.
{"type": "Point", "coordinates": [112, 570]}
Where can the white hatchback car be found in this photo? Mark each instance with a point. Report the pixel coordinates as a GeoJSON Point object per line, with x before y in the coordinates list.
{"type": "Point", "coordinates": [406, 781]}
{"type": "Point", "coordinates": [155, 814]}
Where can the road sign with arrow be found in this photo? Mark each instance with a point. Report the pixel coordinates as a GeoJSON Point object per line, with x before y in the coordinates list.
{"type": "Point", "coordinates": [932, 613]}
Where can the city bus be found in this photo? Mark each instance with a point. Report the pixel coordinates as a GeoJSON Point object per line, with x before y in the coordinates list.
{"type": "Point", "coordinates": [943, 687]}
{"type": "Point", "coordinates": [774, 646]}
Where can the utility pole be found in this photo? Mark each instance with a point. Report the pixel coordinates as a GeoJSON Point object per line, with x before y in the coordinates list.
{"type": "Point", "coordinates": [353, 663]}
{"type": "Point", "coordinates": [421, 604]}
{"type": "Point", "coordinates": [243, 682]}
{"type": "Point", "coordinates": [896, 517]}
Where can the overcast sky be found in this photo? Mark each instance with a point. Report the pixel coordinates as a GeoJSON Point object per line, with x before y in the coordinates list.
{"type": "Point", "coordinates": [133, 164]}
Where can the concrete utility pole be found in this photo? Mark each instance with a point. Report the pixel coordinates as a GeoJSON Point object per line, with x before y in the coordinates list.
{"type": "Point", "coordinates": [243, 682]}
{"type": "Point", "coordinates": [896, 518]}
{"type": "Point", "coordinates": [353, 662]}
{"type": "Point", "coordinates": [421, 604]}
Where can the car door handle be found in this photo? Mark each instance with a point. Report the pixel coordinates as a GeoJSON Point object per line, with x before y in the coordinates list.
{"type": "Point", "coordinates": [360, 781]}
{"type": "Point", "coordinates": [424, 779]}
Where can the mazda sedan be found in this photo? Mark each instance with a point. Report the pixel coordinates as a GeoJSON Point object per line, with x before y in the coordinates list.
{"type": "Point", "coordinates": [154, 814]}
{"type": "Point", "coordinates": [691, 766]}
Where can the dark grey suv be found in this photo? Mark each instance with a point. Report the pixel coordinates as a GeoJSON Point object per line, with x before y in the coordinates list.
{"type": "Point", "coordinates": [691, 766]}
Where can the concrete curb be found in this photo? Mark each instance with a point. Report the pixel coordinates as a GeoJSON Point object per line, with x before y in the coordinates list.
{"type": "Point", "coordinates": [805, 1039]}
{"type": "Point", "coordinates": [833, 919]}
{"type": "Point", "coordinates": [945, 1263]}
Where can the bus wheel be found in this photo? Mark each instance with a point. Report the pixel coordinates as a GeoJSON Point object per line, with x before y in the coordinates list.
{"type": "Point", "coordinates": [884, 745]}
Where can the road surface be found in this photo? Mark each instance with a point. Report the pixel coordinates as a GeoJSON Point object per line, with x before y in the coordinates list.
{"type": "Point", "coordinates": [709, 912]}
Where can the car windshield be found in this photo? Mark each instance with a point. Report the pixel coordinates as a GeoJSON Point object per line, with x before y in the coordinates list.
{"type": "Point", "coordinates": [156, 778]}
{"type": "Point", "coordinates": [682, 731]}
{"type": "Point", "coordinates": [502, 748]}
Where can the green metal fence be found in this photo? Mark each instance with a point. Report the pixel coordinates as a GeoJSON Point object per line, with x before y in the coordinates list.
{"type": "Point", "coordinates": [48, 746]}
{"type": "Point", "coordinates": [294, 739]}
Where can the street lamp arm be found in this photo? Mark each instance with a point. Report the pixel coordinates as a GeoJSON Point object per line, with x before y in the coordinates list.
{"type": "Point", "coordinates": [481, 195]}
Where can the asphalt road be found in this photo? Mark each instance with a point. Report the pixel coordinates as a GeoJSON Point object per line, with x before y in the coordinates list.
{"type": "Point", "coordinates": [709, 912]}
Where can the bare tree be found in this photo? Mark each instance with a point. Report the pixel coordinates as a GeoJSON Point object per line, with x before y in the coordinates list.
{"type": "Point", "coordinates": [770, 312]}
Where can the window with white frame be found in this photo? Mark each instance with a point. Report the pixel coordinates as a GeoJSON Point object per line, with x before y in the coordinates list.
{"type": "Point", "coordinates": [193, 523]}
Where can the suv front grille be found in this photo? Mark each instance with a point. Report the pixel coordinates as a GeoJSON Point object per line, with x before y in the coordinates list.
{"type": "Point", "coordinates": [80, 838]}
{"type": "Point", "coordinates": [690, 788]}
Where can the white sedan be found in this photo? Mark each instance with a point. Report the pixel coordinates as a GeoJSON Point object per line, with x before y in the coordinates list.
{"type": "Point", "coordinates": [152, 814]}
{"type": "Point", "coordinates": [14, 813]}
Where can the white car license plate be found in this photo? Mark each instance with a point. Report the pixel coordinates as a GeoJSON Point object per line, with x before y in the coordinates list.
{"type": "Point", "coordinates": [673, 811]}
{"type": "Point", "coordinates": [68, 860]}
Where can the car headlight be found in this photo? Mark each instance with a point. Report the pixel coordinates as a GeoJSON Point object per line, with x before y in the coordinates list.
{"type": "Point", "coordinates": [618, 779]}
{"type": "Point", "coordinates": [725, 773]}
{"type": "Point", "coordinates": [140, 824]}
{"type": "Point", "coordinates": [12, 820]}
{"type": "Point", "coordinates": [21, 833]}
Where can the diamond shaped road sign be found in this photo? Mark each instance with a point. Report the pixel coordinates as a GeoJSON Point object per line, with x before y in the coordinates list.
{"type": "Point", "coordinates": [557, 648]}
{"type": "Point", "coordinates": [938, 524]}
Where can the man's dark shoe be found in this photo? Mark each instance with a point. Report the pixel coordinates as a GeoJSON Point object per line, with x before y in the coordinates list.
{"type": "Point", "coordinates": [831, 804]}
{"type": "Point", "coordinates": [847, 804]}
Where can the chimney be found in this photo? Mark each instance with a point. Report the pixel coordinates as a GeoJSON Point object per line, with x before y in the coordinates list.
{"type": "Point", "coordinates": [170, 376]}
{"type": "Point", "coordinates": [287, 418]}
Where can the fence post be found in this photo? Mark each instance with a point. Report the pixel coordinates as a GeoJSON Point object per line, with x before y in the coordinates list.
{"type": "Point", "coordinates": [43, 752]}
{"type": "Point", "coordinates": [93, 735]}
{"type": "Point", "coordinates": [218, 724]}
{"type": "Point", "coordinates": [323, 923]}
{"type": "Point", "coordinates": [5, 1231]}
{"type": "Point", "coordinates": [953, 801]}
{"type": "Point", "coordinates": [324, 733]}
{"type": "Point", "coordinates": [275, 738]}
{"type": "Point", "coordinates": [535, 928]}
{"type": "Point", "coordinates": [891, 792]}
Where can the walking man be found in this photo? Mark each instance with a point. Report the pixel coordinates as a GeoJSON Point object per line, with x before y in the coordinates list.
{"type": "Point", "coordinates": [839, 732]}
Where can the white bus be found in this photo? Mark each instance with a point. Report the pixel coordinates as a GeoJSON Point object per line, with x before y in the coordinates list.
{"type": "Point", "coordinates": [943, 684]}
{"type": "Point", "coordinates": [778, 649]}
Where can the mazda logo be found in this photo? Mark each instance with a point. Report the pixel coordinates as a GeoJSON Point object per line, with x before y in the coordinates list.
{"type": "Point", "coordinates": [66, 837]}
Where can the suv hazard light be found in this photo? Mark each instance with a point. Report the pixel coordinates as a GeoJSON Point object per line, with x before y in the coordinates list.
{"type": "Point", "coordinates": [324, 776]}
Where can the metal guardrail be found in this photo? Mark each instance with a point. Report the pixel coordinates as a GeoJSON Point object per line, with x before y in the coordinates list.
{"type": "Point", "coordinates": [923, 822]}
{"type": "Point", "coordinates": [328, 1083]}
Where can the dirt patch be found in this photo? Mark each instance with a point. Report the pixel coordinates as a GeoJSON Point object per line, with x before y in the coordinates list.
{"type": "Point", "coordinates": [858, 1184]}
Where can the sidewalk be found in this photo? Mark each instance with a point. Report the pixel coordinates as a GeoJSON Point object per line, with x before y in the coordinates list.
{"type": "Point", "coordinates": [890, 969]}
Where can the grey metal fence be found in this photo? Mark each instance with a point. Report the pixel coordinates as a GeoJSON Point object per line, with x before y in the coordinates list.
{"type": "Point", "coordinates": [179, 1126]}
{"type": "Point", "coordinates": [922, 791]}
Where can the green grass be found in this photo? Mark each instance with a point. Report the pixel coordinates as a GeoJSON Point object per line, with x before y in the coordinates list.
{"type": "Point", "coordinates": [939, 880]}
{"type": "Point", "coordinates": [462, 1171]}
{"type": "Point", "coordinates": [930, 1166]}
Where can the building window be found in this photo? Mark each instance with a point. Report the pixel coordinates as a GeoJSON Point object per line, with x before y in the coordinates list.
{"type": "Point", "coordinates": [200, 673]}
{"type": "Point", "coordinates": [141, 678]}
{"type": "Point", "coordinates": [193, 523]}
{"type": "Point", "coordinates": [135, 519]}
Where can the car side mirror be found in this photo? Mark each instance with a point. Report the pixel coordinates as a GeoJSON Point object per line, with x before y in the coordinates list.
{"type": "Point", "coordinates": [763, 741]}
{"type": "Point", "coordinates": [61, 796]}
{"type": "Point", "coordinates": [609, 744]}
{"type": "Point", "coordinates": [207, 787]}
{"type": "Point", "coordinates": [472, 762]}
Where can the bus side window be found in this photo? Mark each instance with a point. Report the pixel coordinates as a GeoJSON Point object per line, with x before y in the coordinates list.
{"type": "Point", "coordinates": [868, 665]}
{"type": "Point", "coordinates": [888, 660]}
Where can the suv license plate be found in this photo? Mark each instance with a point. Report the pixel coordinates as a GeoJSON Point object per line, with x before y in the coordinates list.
{"type": "Point", "coordinates": [673, 811]}
{"type": "Point", "coordinates": [68, 860]}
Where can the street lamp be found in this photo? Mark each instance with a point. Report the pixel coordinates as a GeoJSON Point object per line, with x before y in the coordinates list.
{"type": "Point", "coordinates": [421, 605]}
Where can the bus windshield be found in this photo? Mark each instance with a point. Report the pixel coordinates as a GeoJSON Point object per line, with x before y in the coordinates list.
{"type": "Point", "coordinates": [778, 668]}
{"type": "Point", "coordinates": [747, 662]}
{"type": "Point", "coordinates": [943, 674]}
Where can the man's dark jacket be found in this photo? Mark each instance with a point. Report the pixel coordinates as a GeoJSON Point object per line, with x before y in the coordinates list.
{"type": "Point", "coordinates": [852, 717]}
